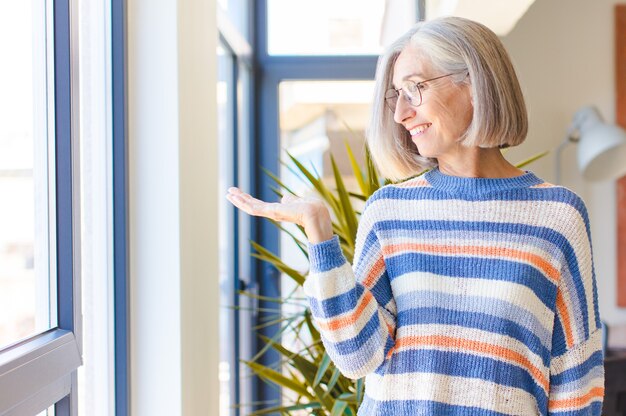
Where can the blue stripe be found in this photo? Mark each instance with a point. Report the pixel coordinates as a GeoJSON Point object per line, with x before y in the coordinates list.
{"type": "Point", "coordinates": [353, 344]}
{"type": "Point", "coordinates": [350, 358]}
{"type": "Point", "coordinates": [346, 302]}
{"type": "Point", "coordinates": [574, 278]}
{"type": "Point", "coordinates": [556, 194]}
{"type": "Point", "coordinates": [475, 267]}
{"type": "Point", "coordinates": [483, 227]}
{"type": "Point", "coordinates": [559, 344]}
{"type": "Point", "coordinates": [382, 290]}
{"type": "Point", "coordinates": [595, 373]}
{"type": "Point", "coordinates": [572, 374]}
{"type": "Point", "coordinates": [336, 305]}
{"type": "Point", "coordinates": [481, 321]}
{"type": "Point", "coordinates": [371, 407]}
{"type": "Point", "coordinates": [326, 255]}
{"type": "Point", "coordinates": [476, 304]}
{"type": "Point", "coordinates": [460, 364]}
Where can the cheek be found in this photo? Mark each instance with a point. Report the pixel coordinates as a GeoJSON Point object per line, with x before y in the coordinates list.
{"type": "Point", "coordinates": [458, 113]}
{"type": "Point", "coordinates": [446, 114]}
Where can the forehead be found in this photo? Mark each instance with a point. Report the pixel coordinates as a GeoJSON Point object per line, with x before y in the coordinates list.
{"type": "Point", "coordinates": [410, 63]}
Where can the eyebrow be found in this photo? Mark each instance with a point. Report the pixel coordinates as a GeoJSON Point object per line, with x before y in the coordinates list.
{"type": "Point", "coordinates": [415, 74]}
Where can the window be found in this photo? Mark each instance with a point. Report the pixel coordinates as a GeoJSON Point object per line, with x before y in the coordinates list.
{"type": "Point", "coordinates": [303, 93]}
{"type": "Point", "coordinates": [325, 27]}
{"type": "Point", "coordinates": [234, 94]}
{"type": "Point", "coordinates": [40, 348]}
{"type": "Point", "coordinates": [27, 286]}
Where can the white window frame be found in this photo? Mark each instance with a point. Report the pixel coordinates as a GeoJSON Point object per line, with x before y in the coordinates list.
{"type": "Point", "coordinates": [41, 371]}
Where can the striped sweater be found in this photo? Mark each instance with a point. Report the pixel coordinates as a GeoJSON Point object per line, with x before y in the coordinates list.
{"type": "Point", "coordinates": [468, 296]}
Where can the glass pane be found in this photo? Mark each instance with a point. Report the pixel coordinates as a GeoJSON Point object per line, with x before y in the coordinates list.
{"type": "Point", "coordinates": [25, 184]}
{"type": "Point", "coordinates": [317, 118]}
{"type": "Point", "coordinates": [238, 13]}
{"type": "Point", "coordinates": [48, 412]}
{"type": "Point", "coordinates": [325, 27]}
{"type": "Point", "coordinates": [226, 131]}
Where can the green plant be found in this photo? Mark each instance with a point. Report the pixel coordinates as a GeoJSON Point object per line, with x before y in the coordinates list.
{"type": "Point", "coordinates": [316, 385]}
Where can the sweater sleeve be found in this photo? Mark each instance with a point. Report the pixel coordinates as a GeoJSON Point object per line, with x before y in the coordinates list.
{"type": "Point", "coordinates": [577, 363]}
{"type": "Point", "coordinates": [353, 306]}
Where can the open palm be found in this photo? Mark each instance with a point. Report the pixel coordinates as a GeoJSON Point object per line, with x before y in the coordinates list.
{"type": "Point", "coordinates": [310, 213]}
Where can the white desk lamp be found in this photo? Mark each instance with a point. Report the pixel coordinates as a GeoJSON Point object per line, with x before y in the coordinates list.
{"type": "Point", "coordinates": [601, 146]}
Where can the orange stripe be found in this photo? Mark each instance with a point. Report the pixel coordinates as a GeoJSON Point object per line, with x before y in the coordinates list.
{"type": "Point", "coordinates": [534, 259]}
{"type": "Point", "coordinates": [374, 273]}
{"type": "Point", "coordinates": [343, 321]}
{"type": "Point", "coordinates": [596, 392]}
{"type": "Point", "coordinates": [567, 325]}
{"type": "Point", "coordinates": [544, 185]}
{"type": "Point", "coordinates": [413, 184]}
{"type": "Point", "coordinates": [482, 347]}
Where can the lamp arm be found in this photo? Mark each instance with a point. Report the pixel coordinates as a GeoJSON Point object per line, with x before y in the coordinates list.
{"type": "Point", "coordinates": [570, 137]}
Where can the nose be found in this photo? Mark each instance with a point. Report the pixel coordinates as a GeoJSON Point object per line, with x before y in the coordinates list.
{"type": "Point", "coordinates": [404, 110]}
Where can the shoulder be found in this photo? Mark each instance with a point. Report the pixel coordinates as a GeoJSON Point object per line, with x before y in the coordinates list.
{"type": "Point", "coordinates": [408, 189]}
{"type": "Point", "coordinates": [563, 199]}
{"type": "Point", "coordinates": [565, 208]}
{"type": "Point", "coordinates": [553, 197]}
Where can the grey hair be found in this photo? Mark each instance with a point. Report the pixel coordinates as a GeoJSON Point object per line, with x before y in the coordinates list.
{"type": "Point", "coordinates": [451, 45]}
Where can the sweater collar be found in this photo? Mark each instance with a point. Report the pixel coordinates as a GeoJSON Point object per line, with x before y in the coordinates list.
{"type": "Point", "coordinates": [459, 185]}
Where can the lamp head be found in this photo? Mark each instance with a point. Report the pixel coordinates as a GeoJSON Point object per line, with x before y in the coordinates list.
{"type": "Point", "coordinates": [601, 147]}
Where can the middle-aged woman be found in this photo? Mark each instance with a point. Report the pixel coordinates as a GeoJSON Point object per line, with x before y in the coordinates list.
{"type": "Point", "coordinates": [473, 289]}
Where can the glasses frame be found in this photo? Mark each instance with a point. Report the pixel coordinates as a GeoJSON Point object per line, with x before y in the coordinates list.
{"type": "Point", "coordinates": [408, 97]}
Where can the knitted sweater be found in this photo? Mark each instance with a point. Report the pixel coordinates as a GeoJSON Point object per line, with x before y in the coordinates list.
{"type": "Point", "coordinates": [468, 296]}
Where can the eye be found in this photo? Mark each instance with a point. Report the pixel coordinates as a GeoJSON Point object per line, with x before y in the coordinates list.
{"type": "Point", "coordinates": [410, 87]}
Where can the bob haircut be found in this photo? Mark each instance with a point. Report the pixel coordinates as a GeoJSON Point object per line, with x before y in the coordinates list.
{"type": "Point", "coordinates": [451, 45]}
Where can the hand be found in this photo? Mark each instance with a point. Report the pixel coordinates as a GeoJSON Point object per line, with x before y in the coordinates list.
{"type": "Point", "coordinates": [310, 213]}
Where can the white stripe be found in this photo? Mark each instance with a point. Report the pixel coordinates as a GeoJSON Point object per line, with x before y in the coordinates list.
{"type": "Point", "coordinates": [331, 283]}
{"type": "Point", "coordinates": [577, 355]}
{"type": "Point", "coordinates": [453, 390]}
{"type": "Point", "coordinates": [514, 293]}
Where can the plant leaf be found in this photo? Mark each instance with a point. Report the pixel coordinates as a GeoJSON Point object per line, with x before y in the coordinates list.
{"type": "Point", "coordinates": [287, 409]}
{"type": "Point", "coordinates": [346, 206]}
{"type": "Point", "coordinates": [531, 159]}
{"type": "Point", "coordinates": [277, 378]}
{"type": "Point", "coordinates": [372, 175]}
{"type": "Point", "coordinates": [317, 184]}
{"type": "Point", "coordinates": [278, 181]}
{"type": "Point", "coordinates": [321, 370]}
{"type": "Point", "coordinates": [338, 408]}
{"type": "Point", "coordinates": [267, 256]}
{"type": "Point", "coordinates": [356, 169]}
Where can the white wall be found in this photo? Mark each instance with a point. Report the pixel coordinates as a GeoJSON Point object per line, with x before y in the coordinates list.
{"type": "Point", "coordinates": [173, 207]}
{"type": "Point", "coordinates": [563, 51]}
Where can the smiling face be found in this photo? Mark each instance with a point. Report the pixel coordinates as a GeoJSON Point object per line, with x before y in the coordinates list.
{"type": "Point", "coordinates": [444, 115]}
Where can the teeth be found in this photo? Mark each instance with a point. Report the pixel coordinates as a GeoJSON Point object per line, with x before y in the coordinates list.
{"type": "Point", "coordinates": [419, 129]}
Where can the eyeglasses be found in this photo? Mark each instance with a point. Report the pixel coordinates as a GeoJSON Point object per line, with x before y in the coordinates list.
{"type": "Point", "coordinates": [411, 91]}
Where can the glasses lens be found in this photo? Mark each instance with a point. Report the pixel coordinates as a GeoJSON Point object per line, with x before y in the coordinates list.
{"type": "Point", "coordinates": [391, 98]}
{"type": "Point", "coordinates": [412, 93]}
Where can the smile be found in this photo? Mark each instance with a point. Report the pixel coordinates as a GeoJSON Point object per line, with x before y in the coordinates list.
{"type": "Point", "coordinates": [417, 130]}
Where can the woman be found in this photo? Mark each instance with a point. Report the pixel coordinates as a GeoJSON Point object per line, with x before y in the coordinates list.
{"type": "Point", "coordinates": [473, 290]}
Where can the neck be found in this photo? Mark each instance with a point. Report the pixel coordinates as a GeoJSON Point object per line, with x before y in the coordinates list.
{"type": "Point", "coordinates": [479, 163]}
